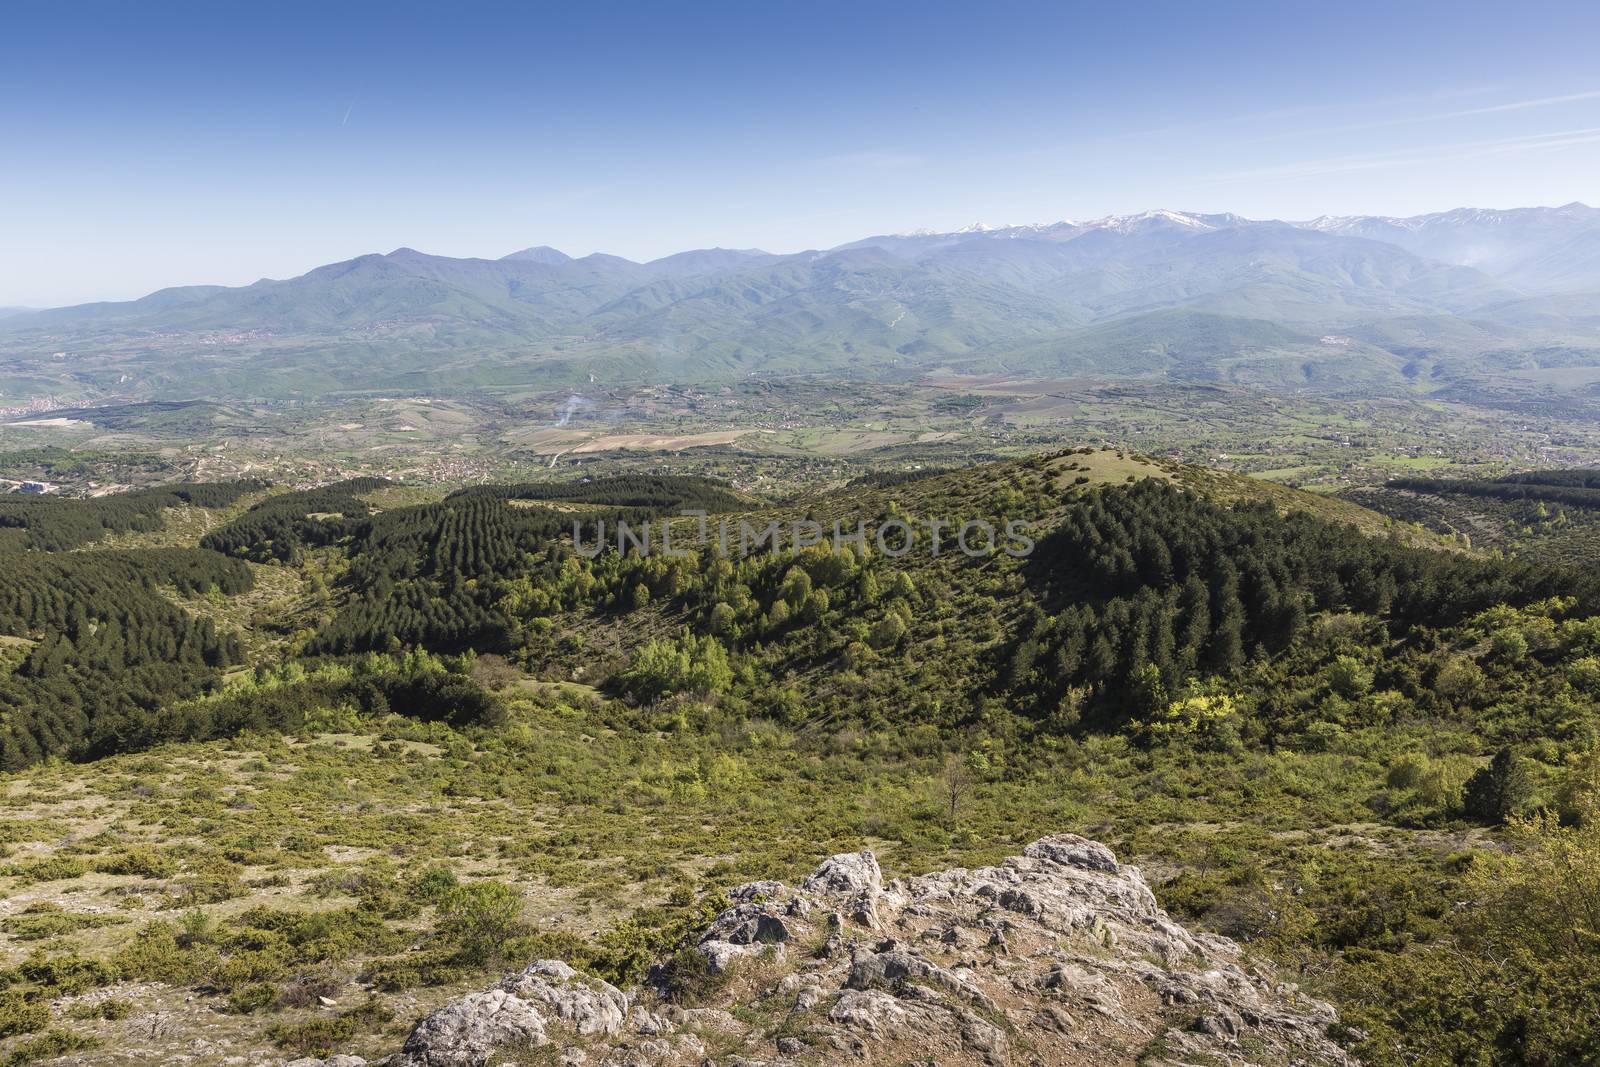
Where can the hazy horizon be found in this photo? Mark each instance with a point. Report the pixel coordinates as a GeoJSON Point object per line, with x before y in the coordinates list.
{"type": "Point", "coordinates": [494, 255]}
{"type": "Point", "coordinates": [186, 146]}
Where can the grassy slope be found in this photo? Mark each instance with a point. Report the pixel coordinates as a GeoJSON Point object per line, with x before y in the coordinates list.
{"type": "Point", "coordinates": [586, 823]}
{"type": "Point", "coordinates": [586, 820]}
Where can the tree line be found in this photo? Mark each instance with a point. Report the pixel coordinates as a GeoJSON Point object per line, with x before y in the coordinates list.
{"type": "Point", "coordinates": [1574, 488]}
{"type": "Point", "coordinates": [1143, 587]}
{"type": "Point", "coordinates": [653, 491]}
{"type": "Point", "coordinates": [108, 649]}
{"type": "Point", "coordinates": [55, 524]}
{"type": "Point", "coordinates": [282, 527]}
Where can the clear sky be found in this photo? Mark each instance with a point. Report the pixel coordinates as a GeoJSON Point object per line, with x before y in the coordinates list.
{"type": "Point", "coordinates": [153, 144]}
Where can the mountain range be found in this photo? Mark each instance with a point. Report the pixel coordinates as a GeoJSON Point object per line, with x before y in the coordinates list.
{"type": "Point", "coordinates": [1339, 303]}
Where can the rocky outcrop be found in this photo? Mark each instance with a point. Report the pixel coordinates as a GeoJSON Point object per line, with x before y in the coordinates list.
{"type": "Point", "coordinates": [1060, 956]}
{"type": "Point", "coordinates": [516, 1014]}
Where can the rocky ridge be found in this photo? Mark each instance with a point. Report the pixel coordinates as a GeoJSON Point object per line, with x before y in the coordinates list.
{"type": "Point", "coordinates": [1060, 956]}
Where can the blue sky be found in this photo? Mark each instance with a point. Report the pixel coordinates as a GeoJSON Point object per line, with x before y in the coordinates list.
{"type": "Point", "coordinates": [144, 145]}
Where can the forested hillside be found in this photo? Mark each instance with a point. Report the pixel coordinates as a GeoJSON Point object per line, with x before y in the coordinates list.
{"type": "Point", "coordinates": [106, 651]}
{"type": "Point", "coordinates": [1320, 741]}
{"type": "Point", "coordinates": [1549, 515]}
{"type": "Point", "coordinates": [51, 524]}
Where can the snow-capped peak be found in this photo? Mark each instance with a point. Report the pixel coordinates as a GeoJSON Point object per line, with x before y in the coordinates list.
{"type": "Point", "coordinates": [1068, 228]}
{"type": "Point", "coordinates": [1120, 223]}
{"type": "Point", "coordinates": [1341, 223]}
{"type": "Point", "coordinates": [985, 229]}
{"type": "Point", "coordinates": [1328, 222]}
{"type": "Point", "coordinates": [1462, 216]}
{"type": "Point", "coordinates": [1126, 223]}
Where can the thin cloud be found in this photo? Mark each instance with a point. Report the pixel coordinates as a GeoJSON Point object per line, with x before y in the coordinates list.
{"type": "Point", "coordinates": [1464, 150]}
{"type": "Point", "coordinates": [1543, 101]}
{"type": "Point", "coordinates": [1279, 114]}
{"type": "Point", "coordinates": [1441, 116]}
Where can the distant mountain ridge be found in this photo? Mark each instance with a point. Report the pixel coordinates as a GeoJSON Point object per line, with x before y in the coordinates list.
{"type": "Point", "coordinates": [540, 254]}
{"type": "Point", "coordinates": [1160, 293]}
{"type": "Point", "coordinates": [1499, 242]}
{"type": "Point", "coordinates": [1536, 248]}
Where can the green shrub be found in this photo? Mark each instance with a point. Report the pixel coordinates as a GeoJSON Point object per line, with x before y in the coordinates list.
{"type": "Point", "coordinates": [434, 884]}
{"type": "Point", "coordinates": [321, 1036]}
{"type": "Point", "coordinates": [1408, 770]}
{"type": "Point", "coordinates": [239, 969]}
{"type": "Point", "coordinates": [688, 978]}
{"type": "Point", "coordinates": [156, 955]}
{"type": "Point", "coordinates": [20, 1014]}
{"type": "Point", "coordinates": [112, 1009]}
{"type": "Point", "coordinates": [48, 1046]}
{"type": "Point", "coordinates": [252, 998]}
{"type": "Point", "coordinates": [45, 920]}
{"type": "Point", "coordinates": [686, 664]}
{"type": "Point", "coordinates": [477, 920]}
{"type": "Point", "coordinates": [198, 928]}
{"type": "Point", "coordinates": [209, 885]}
{"type": "Point", "coordinates": [142, 862]}
{"type": "Point", "coordinates": [67, 974]}
{"type": "Point", "coordinates": [309, 937]}
{"type": "Point", "coordinates": [436, 967]}
{"type": "Point", "coordinates": [1349, 677]}
{"type": "Point", "coordinates": [53, 869]}
{"type": "Point", "coordinates": [1514, 982]}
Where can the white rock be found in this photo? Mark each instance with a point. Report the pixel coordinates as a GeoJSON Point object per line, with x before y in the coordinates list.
{"type": "Point", "coordinates": [586, 1005]}
{"type": "Point", "coordinates": [469, 1029]}
{"type": "Point", "coordinates": [846, 876]}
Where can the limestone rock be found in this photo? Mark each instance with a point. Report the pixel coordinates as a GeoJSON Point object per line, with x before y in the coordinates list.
{"type": "Point", "coordinates": [587, 1005]}
{"type": "Point", "coordinates": [1059, 956]}
{"type": "Point", "coordinates": [515, 1013]}
{"type": "Point", "coordinates": [1070, 850]}
{"type": "Point", "coordinates": [469, 1029]}
{"type": "Point", "coordinates": [845, 876]}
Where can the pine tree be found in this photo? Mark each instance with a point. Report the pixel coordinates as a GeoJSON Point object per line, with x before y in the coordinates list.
{"type": "Point", "coordinates": [1496, 792]}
